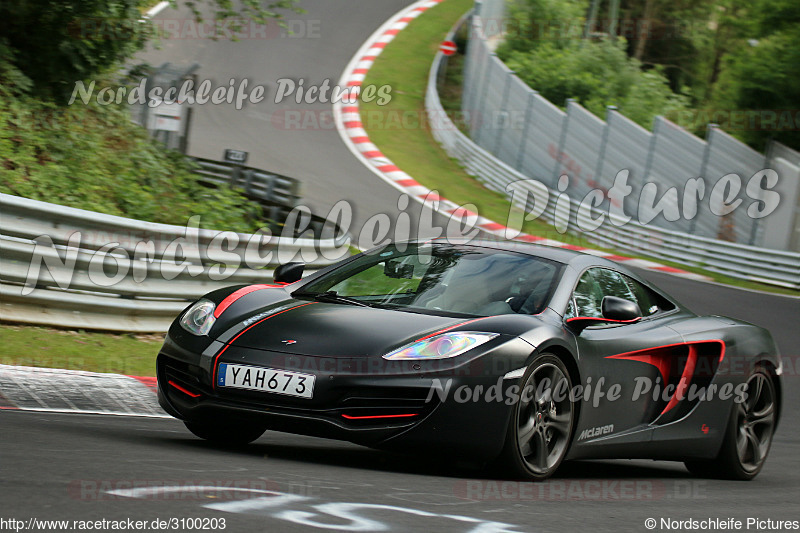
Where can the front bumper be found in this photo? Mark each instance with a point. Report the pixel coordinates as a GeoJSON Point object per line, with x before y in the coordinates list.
{"type": "Point", "coordinates": [443, 403]}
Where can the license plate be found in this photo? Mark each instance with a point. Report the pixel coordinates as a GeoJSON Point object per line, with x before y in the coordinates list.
{"type": "Point", "coordinates": [265, 380]}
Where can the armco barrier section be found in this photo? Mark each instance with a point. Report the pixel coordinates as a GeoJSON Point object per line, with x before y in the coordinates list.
{"type": "Point", "coordinates": [522, 129]}
{"type": "Point", "coordinates": [256, 184]}
{"type": "Point", "coordinates": [69, 267]}
{"type": "Point", "coordinates": [736, 260]}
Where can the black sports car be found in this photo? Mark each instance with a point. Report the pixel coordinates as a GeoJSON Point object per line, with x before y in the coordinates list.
{"type": "Point", "coordinates": [515, 354]}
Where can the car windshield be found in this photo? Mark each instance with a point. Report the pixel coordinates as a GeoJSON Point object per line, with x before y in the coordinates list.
{"type": "Point", "coordinates": [442, 279]}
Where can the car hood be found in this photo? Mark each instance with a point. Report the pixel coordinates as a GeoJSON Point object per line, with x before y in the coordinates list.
{"type": "Point", "coordinates": [337, 330]}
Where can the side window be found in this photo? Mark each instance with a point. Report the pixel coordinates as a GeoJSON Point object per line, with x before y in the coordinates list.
{"type": "Point", "coordinates": [594, 284]}
{"type": "Point", "coordinates": [649, 302]}
{"type": "Point", "coordinates": [588, 295]}
{"type": "Point", "coordinates": [612, 284]}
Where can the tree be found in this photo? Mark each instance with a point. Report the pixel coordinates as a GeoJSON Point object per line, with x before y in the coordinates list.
{"type": "Point", "coordinates": [762, 77]}
{"type": "Point", "coordinates": [58, 42]}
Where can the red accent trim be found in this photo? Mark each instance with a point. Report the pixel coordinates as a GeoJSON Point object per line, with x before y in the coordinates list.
{"type": "Point", "coordinates": [216, 358]}
{"type": "Point", "coordinates": [597, 319]}
{"type": "Point", "coordinates": [186, 392]}
{"type": "Point", "coordinates": [449, 328]}
{"type": "Point", "coordinates": [686, 377]}
{"type": "Point", "coordinates": [232, 297]}
{"type": "Point", "coordinates": [661, 359]}
{"type": "Point", "coordinates": [404, 415]}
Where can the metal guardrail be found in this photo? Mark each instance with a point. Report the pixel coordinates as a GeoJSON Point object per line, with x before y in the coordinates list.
{"type": "Point", "coordinates": [74, 268]}
{"type": "Point", "coordinates": [519, 126]}
{"type": "Point", "coordinates": [256, 184]}
{"type": "Point", "coordinates": [277, 194]}
{"type": "Point", "coordinates": [774, 267]}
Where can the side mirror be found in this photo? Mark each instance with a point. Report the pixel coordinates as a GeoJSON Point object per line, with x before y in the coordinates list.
{"type": "Point", "coordinates": [289, 272]}
{"type": "Point", "coordinates": [620, 309]}
{"type": "Point", "coordinates": [615, 310]}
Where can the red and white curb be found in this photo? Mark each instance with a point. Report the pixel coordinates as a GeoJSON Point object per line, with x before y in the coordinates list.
{"type": "Point", "coordinates": [71, 391]}
{"type": "Point", "coordinates": [351, 129]}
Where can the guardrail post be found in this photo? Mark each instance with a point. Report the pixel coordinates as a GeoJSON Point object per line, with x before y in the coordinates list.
{"type": "Point", "coordinates": [603, 143]}
{"type": "Point", "coordinates": [703, 167]}
{"type": "Point", "coordinates": [562, 141]}
{"type": "Point", "coordinates": [503, 112]}
{"type": "Point", "coordinates": [234, 179]}
{"type": "Point", "coordinates": [482, 99]}
{"type": "Point", "coordinates": [652, 149]}
{"type": "Point", "coordinates": [248, 181]}
{"type": "Point", "coordinates": [270, 182]}
{"type": "Point", "coordinates": [526, 129]}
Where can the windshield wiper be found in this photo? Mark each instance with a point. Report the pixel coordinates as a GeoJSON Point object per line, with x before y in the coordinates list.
{"type": "Point", "coordinates": [330, 296]}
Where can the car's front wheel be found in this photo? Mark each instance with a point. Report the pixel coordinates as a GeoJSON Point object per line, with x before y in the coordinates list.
{"type": "Point", "coordinates": [542, 421]}
{"type": "Point", "coordinates": [749, 433]}
{"type": "Point", "coordinates": [225, 433]}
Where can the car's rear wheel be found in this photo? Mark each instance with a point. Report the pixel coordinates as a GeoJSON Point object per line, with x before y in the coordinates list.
{"type": "Point", "coordinates": [748, 436]}
{"type": "Point", "coordinates": [225, 433]}
{"type": "Point", "coordinates": [542, 421]}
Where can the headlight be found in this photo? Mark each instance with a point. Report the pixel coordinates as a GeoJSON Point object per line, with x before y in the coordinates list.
{"type": "Point", "coordinates": [441, 346]}
{"type": "Point", "coordinates": [199, 318]}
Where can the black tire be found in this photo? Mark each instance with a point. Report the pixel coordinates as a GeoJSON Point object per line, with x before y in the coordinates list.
{"type": "Point", "coordinates": [227, 434]}
{"type": "Point", "coordinates": [748, 436]}
{"type": "Point", "coordinates": [540, 430]}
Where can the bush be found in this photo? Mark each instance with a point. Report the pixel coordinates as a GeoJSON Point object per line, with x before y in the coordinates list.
{"type": "Point", "coordinates": [596, 74]}
{"type": "Point", "coordinates": [92, 157]}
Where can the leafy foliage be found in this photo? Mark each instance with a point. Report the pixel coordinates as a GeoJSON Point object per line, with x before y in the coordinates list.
{"type": "Point", "coordinates": [57, 43]}
{"type": "Point", "coordinates": [92, 157]}
{"type": "Point", "coordinates": [732, 61]}
{"type": "Point", "coordinates": [596, 74]}
{"type": "Point", "coordinates": [763, 75]}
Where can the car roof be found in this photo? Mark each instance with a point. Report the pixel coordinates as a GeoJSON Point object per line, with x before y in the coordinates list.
{"type": "Point", "coordinates": [575, 258]}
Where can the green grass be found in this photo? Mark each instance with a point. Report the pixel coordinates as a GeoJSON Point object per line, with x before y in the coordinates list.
{"type": "Point", "coordinates": [401, 132]}
{"type": "Point", "coordinates": [79, 350]}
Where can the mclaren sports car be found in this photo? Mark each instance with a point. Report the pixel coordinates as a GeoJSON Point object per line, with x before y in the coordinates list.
{"type": "Point", "coordinates": [512, 355]}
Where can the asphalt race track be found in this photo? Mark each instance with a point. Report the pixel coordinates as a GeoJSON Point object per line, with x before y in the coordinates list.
{"type": "Point", "coordinates": [298, 140]}
{"type": "Point", "coordinates": [93, 467]}
{"type": "Point", "coordinates": [86, 467]}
